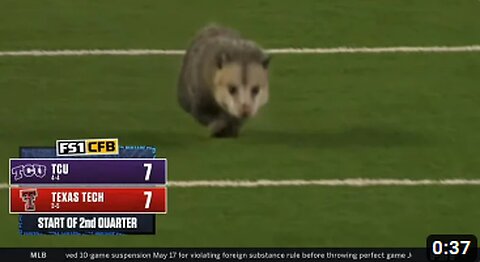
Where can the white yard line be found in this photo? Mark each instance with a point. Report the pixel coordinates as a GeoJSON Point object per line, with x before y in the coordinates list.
{"type": "Point", "coordinates": [350, 182]}
{"type": "Point", "coordinates": [334, 50]}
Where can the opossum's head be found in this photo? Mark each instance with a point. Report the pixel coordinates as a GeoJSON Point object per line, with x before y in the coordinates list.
{"type": "Point", "coordinates": [241, 86]}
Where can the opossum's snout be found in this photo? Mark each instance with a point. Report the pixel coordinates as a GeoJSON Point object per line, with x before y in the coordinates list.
{"type": "Point", "coordinates": [246, 111]}
{"type": "Point", "coordinates": [241, 89]}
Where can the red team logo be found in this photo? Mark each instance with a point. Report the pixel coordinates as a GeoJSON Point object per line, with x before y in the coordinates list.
{"type": "Point", "coordinates": [28, 196]}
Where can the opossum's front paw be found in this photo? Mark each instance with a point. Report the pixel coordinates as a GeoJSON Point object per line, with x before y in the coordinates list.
{"type": "Point", "coordinates": [225, 133]}
{"type": "Point", "coordinates": [222, 129]}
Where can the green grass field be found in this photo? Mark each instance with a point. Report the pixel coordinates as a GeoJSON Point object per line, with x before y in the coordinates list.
{"type": "Point", "coordinates": [331, 116]}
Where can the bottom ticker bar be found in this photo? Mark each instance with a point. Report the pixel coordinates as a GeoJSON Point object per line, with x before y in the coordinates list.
{"type": "Point", "coordinates": [215, 254]}
{"type": "Point", "coordinates": [148, 200]}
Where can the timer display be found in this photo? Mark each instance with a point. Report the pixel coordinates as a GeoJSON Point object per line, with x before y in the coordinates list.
{"type": "Point", "coordinates": [452, 248]}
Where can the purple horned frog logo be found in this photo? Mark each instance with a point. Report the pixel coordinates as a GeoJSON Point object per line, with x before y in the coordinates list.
{"type": "Point", "coordinates": [28, 170]}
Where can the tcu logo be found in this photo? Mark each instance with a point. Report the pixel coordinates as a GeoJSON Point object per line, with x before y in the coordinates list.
{"type": "Point", "coordinates": [29, 196]}
{"type": "Point", "coordinates": [29, 170]}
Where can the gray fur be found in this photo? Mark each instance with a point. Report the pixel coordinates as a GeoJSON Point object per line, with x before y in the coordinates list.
{"type": "Point", "coordinates": [212, 45]}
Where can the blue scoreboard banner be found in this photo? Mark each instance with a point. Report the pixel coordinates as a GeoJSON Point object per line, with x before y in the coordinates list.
{"type": "Point", "coordinates": [101, 224]}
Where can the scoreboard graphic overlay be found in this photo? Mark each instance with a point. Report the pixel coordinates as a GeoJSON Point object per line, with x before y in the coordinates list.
{"type": "Point", "coordinates": [88, 194]}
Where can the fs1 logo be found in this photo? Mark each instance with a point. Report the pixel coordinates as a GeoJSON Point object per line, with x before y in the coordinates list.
{"type": "Point", "coordinates": [29, 196]}
{"type": "Point", "coordinates": [85, 147]}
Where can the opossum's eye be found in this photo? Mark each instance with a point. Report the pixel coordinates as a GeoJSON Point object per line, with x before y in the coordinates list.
{"type": "Point", "coordinates": [255, 90]}
{"type": "Point", "coordinates": [232, 89]}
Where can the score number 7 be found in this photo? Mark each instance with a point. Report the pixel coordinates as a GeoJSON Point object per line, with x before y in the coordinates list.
{"type": "Point", "coordinates": [148, 172]}
{"type": "Point", "coordinates": [149, 198]}
{"type": "Point", "coordinates": [148, 194]}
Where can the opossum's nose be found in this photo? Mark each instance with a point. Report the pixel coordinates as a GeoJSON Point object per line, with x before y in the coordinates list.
{"type": "Point", "coordinates": [246, 111]}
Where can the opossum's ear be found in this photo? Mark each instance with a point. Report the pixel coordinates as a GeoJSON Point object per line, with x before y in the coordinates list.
{"type": "Point", "coordinates": [266, 61]}
{"type": "Point", "coordinates": [222, 59]}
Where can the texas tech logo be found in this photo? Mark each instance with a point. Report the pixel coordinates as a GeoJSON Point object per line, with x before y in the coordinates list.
{"type": "Point", "coordinates": [28, 197]}
{"type": "Point", "coordinates": [85, 147]}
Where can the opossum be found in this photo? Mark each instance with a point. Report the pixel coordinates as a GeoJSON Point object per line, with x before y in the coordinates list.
{"type": "Point", "coordinates": [223, 80]}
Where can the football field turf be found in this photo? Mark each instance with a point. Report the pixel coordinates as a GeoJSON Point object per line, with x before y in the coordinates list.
{"type": "Point", "coordinates": [330, 116]}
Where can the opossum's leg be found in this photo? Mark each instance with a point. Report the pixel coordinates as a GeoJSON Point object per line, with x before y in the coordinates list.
{"type": "Point", "coordinates": [217, 127]}
{"type": "Point", "coordinates": [224, 127]}
{"type": "Point", "coordinates": [205, 112]}
{"type": "Point", "coordinates": [204, 118]}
